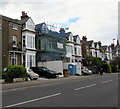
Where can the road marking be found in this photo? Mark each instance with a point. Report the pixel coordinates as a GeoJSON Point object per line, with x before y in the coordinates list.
{"type": "Point", "coordinates": [85, 87]}
{"type": "Point", "coordinates": [107, 81]}
{"type": "Point", "coordinates": [34, 100]}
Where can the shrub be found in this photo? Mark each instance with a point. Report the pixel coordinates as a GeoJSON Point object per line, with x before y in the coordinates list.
{"type": "Point", "coordinates": [114, 68]}
{"type": "Point", "coordinates": [14, 71]}
{"type": "Point", "coordinates": [107, 68]}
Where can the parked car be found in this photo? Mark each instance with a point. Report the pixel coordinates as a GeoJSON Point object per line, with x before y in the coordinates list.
{"type": "Point", "coordinates": [86, 71]}
{"type": "Point", "coordinates": [45, 72]}
{"type": "Point", "coordinates": [32, 75]}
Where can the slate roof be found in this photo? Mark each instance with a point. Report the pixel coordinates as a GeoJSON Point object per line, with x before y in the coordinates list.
{"type": "Point", "coordinates": [22, 21]}
{"type": "Point", "coordinates": [67, 35]}
{"type": "Point", "coordinates": [10, 19]}
{"type": "Point", "coordinates": [38, 29]}
{"type": "Point", "coordinates": [89, 43]}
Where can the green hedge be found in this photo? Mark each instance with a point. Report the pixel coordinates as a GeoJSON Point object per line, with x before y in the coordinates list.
{"type": "Point", "coordinates": [114, 68]}
{"type": "Point", "coordinates": [107, 68]}
{"type": "Point", "coordinates": [14, 71]}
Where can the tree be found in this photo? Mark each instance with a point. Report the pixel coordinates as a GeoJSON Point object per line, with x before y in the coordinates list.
{"type": "Point", "coordinates": [116, 62]}
{"type": "Point", "coordinates": [92, 61]}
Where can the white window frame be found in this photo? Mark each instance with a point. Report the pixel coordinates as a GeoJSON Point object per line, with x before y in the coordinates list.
{"type": "Point", "coordinates": [15, 27]}
{"type": "Point", "coordinates": [30, 60]}
{"type": "Point", "coordinates": [14, 59]}
{"type": "Point", "coordinates": [14, 38]}
{"type": "Point", "coordinates": [30, 42]}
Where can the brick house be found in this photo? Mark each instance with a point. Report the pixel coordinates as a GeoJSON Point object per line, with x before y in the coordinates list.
{"type": "Point", "coordinates": [11, 42]}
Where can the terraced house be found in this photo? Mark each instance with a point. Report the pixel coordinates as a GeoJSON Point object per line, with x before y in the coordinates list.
{"type": "Point", "coordinates": [28, 41]}
{"type": "Point", "coordinates": [18, 41]}
{"type": "Point", "coordinates": [73, 54]}
{"type": "Point", "coordinates": [51, 47]}
{"type": "Point", "coordinates": [11, 42]}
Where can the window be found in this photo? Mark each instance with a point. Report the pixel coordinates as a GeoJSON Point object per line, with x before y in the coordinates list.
{"type": "Point", "coordinates": [69, 48]}
{"type": "Point", "coordinates": [23, 60]}
{"type": "Point", "coordinates": [78, 51]}
{"type": "Point", "coordinates": [44, 29]}
{"type": "Point", "coordinates": [15, 27]}
{"type": "Point", "coordinates": [23, 41]}
{"type": "Point", "coordinates": [30, 61]}
{"type": "Point", "coordinates": [14, 38]}
{"type": "Point", "coordinates": [60, 45]}
{"type": "Point", "coordinates": [30, 42]}
{"type": "Point", "coordinates": [50, 45]}
{"type": "Point", "coordinates": [39, 44]}
{"type": "Point", "coordinates": [30, 25]}
{"type": "Point", "coordinates": [75, 51]}
{"type": "Point", "coordinates": [13, 59]}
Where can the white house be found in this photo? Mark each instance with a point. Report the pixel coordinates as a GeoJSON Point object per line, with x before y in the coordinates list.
{"type": "Point", "coordinates": [78, 53]}
{"type": "Point", "coordinates": [73, 52]}
{"type": "Point", "coordinates": [28, 40]}
{"type": "Point", "coordinates": [91, 48]}
{"type": "Point", "coordinates": [70, 55]}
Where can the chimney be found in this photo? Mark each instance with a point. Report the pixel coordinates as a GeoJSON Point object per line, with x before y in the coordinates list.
{"type": "Point", "coordinates": [62, 30]}
{"type": "Point", "coordinates": [84, 38]}
{"type": "Point", "coordinates": [99, 43]}
{"type": "Point", "coordinates": [24, 15]}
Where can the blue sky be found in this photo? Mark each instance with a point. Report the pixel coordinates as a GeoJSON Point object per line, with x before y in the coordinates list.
{"type": "Point", "coordinates": [73, 20]}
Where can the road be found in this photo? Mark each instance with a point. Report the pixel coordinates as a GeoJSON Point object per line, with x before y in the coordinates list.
{"type": "Point", "coordinates": [96, 91]}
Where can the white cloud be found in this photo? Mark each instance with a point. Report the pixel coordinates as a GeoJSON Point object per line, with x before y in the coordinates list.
{"type": "Point", "coordinates": [98, 19]}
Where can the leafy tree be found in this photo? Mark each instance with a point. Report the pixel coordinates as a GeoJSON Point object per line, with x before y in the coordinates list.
{"type": "Point", "coordinates": [92, 61]}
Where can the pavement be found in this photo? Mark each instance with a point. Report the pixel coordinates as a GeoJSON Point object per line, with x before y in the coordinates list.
{"type": "Point", "coordinates": [42, 81]}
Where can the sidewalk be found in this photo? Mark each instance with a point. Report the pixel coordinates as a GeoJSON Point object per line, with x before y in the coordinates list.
{"type": "Point", "coordinates": [40, 82]}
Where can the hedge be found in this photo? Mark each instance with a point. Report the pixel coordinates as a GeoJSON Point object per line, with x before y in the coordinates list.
{"type": "Point", "coordinates": [14, 71]}
{"type": "Point", "coordinates": [114, 68]}
{"type": "Point", "coordinates": [107, 68]}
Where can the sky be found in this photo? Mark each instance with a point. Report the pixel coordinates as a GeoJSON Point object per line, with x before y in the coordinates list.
{"type": "Point", "coordinates": [97, 19]}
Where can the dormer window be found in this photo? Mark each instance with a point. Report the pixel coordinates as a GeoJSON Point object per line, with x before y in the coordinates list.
{"type": "Point", "coordinates": [44, 28]}
{"type": "Point", "coordinates": [14, 38]}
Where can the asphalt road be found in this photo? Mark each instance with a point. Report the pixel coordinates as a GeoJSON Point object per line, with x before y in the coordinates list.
{"type": "Point", "coordinates": [96, 91]}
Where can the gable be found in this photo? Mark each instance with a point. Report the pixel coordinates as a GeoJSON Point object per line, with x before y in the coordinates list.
{"type": "Point", "coordinates": [71, 37]}
{"type": "Point", "coordinates": [92, 45]}
{"type": "Point", "coordinates": [78, 40]}
{"type": "Point", "coordinates": [30, 24]}
{"type": "Point", "coordinates": [44, 28]}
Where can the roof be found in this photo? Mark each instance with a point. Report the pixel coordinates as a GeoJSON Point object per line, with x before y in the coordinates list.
{"type": "Point", "coordinates": [104, 47]}
{"type": "Point", "coordinates": [24, 20]}
{"type": "Point", "coordinates": [38, 28]}
{"type": "Point", "coordinates": [95, 44]}
{"type": "Point", "coordinates": [10, 19]}
{"type": "Point", "coordinates": [67, 35]}
{"type": "Point", "coordinates": [89, 43]}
